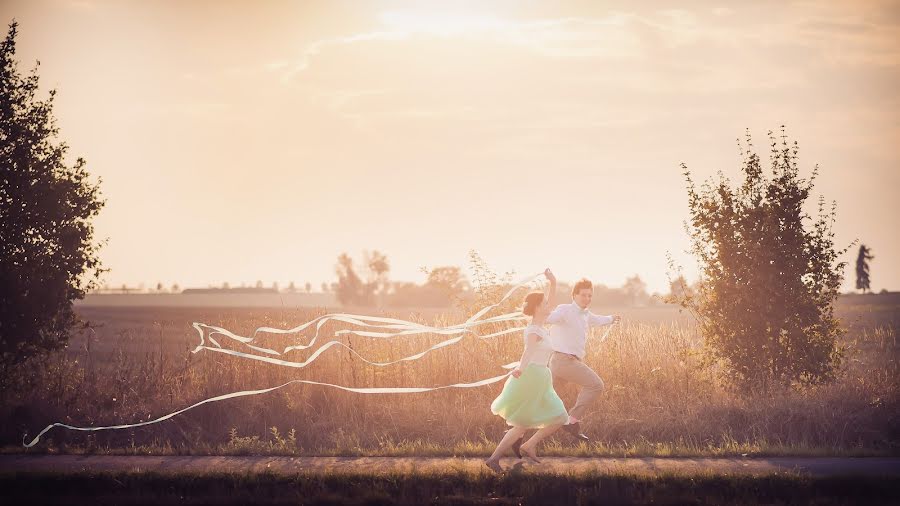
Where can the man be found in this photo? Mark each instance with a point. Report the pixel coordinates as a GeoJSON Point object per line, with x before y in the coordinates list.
{"type": "Point", "coordinates": [571, 324]}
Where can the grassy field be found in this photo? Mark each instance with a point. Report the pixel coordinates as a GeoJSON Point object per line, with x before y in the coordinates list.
{"type": "Point", "coordinates": [442, 488]}
{"type": "Point", "coordinates": [659, 401]}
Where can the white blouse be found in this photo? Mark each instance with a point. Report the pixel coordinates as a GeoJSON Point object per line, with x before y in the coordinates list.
{"type": "Point", "coordinates": [541, 350]}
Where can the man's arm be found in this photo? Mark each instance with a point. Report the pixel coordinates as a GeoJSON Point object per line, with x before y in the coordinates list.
{"type": "Point", "coordinates": [597, 320]}
{"type": "Point", "coordinates": [558, 315]}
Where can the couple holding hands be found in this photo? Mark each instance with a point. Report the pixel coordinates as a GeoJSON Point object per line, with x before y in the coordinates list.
{"type": "Point", "coordinates": [528, 400]}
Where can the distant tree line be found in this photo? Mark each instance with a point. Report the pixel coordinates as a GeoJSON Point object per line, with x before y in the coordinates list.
{"type": "Point", "coordinates": [367, 284]}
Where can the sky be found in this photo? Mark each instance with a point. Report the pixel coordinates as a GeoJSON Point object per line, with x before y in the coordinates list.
{"type": "Point", "coordinates": [245, 141]}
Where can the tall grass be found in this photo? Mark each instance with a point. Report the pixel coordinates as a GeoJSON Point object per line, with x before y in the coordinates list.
{"type": "Point", "coordinates": [659, 399]}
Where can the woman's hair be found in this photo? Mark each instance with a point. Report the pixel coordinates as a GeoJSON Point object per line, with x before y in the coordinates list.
{"type": "Point", "coordinates": [532, 301]}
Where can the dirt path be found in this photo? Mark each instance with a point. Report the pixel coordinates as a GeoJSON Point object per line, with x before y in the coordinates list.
{"type": "Point", "coordinates": [286, 465]}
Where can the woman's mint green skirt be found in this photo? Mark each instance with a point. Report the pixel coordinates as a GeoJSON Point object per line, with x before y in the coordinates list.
{"type": "Point", "coordinates": [529, 400]}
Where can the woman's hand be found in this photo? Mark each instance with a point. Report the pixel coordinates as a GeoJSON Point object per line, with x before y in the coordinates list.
{"type": "Point", "coordinates": [516, 372]}
{"type": "Point", "coordinates": [549, 274]}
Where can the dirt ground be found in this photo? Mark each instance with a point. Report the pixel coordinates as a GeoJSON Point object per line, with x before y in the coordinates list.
{"type": "Point", "coordinates": [871, 466]}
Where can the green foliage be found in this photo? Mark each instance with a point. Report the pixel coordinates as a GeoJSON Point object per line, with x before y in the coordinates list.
{"type": "Point", "coordinates": [252, 445]}
{"type": "Point", "coordinates": [768, 282]}
{"type": "Point", "coordinates": [47, 255]}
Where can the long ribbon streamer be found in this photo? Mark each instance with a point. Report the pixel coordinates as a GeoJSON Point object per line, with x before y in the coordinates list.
{"type": "Point", "coordinates": [368, 390]}
{"type": "Point", "coordinates": [402, 327]}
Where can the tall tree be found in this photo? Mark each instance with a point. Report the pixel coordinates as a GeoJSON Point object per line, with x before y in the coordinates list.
{"type": "Point", "coordinates": [862, 268]}
{"type": "Point", "coordinates": [350, 287]}
{"type": "Point", "coordinates": [48, 257]}
{"type": "Point", "coordinates": [635, 290]}
{"type": "Point", "coordinates": [378, 269]}
{"type": "Point", "coordinates": [768, 284]}
{"type": "Point", "coordinates": [449, 279]}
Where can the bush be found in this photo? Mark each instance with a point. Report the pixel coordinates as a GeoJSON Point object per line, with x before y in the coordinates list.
{"type": "Point", "coordinates": [767, 282]}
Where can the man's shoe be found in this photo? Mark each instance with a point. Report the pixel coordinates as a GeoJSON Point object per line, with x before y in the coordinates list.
{"type": "Point", "coordinates": [575, 430]}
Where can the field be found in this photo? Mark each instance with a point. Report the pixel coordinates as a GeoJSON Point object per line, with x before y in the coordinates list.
{"type": "Point", "coordinates": [660, 400]}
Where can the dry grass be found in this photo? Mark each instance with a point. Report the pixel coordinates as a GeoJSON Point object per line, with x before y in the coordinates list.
{"type": "Point", "coordinates": [659, 399]}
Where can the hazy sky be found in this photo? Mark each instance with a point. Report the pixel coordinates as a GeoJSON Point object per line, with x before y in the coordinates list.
{"type": "Point", "coordinates": [240, 141]}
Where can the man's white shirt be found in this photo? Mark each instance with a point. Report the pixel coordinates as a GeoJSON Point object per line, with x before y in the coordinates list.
{"type": "Point", "coordinates": [570, 326]}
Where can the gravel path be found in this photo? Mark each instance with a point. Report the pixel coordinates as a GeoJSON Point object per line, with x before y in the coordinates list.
{"type": "Point", "coordinates": [873, 466]}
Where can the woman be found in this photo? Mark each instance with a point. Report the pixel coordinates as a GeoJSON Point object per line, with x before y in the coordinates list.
{"type": "Point", "coordinates": [528, 400]}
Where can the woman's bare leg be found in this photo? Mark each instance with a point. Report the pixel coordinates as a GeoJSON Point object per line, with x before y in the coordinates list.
{"type": "Point", "coordinates": [506, 443]}
{"type": "Point", "coordinates": [528, 447]}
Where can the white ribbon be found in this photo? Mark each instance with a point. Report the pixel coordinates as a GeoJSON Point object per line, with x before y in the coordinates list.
{"type": "Point", "coordinates": [401, 327]}
{"type": "Point", "coordinates": [380, 390]}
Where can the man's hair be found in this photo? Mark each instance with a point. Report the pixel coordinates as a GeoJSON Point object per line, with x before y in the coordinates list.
{"type": "Point", "coordinates": [582, 283]}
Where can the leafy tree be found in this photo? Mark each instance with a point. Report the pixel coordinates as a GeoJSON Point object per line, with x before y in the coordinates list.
{"type": "Point", "coordinates": [349, 289]}
{"type": "Point", "coordinates": [768, 283]}
{"type": "Point", "coordinates": [378, 269]}
{"type": "Point", "coordinates": [448, 279]}
{"type": "Point", "coordinates": [679, 289]}
{"type": "Point", "coordinates": [48, 257]}
{"type": "Point", "coordinates": [635, 290]}
{"type": "Point", "coordinates": [862, 268]}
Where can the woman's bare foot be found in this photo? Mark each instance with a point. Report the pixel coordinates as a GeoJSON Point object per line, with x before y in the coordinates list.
{"type": "Point", "coordinates": [528, 453]}
{"type": "Point", "coordinates": [493, 465]}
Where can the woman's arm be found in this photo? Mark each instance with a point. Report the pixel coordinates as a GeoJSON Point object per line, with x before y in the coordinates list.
{"type": "Point", "coordinates": [550, 294]}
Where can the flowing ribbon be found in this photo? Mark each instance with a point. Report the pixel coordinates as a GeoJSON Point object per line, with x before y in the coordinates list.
{"type": "Point", "coordinates": [401, 327]}
{"type": "Point", "coordinates": [368, 390]}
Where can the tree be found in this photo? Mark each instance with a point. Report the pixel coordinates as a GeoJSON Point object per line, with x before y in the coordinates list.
{"type": "Point", "coordinates": [349, 286]}
{"type": "Point", "coordinates": [448, 279]}
{"type": "Point", "coordinates": [378, 269]}
{"type": "Point", "coordinates": [635, 290]}
{"type": "Point", "coordinates": [766, 296]}
{"type": "Point", "coordinates": [679, 289]}
{"type": "Point", "coordinates": [862, 268]}
{"type": "Point", "coordinates": [48, 257]}
{"type": "Point", "coordinates": [351, 289]}
{"type": "Point", "coordinates": [308, 287]}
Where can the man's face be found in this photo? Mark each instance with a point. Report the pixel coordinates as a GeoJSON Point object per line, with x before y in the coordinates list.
{"type": "Point", "coordinates": [583, 297]}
